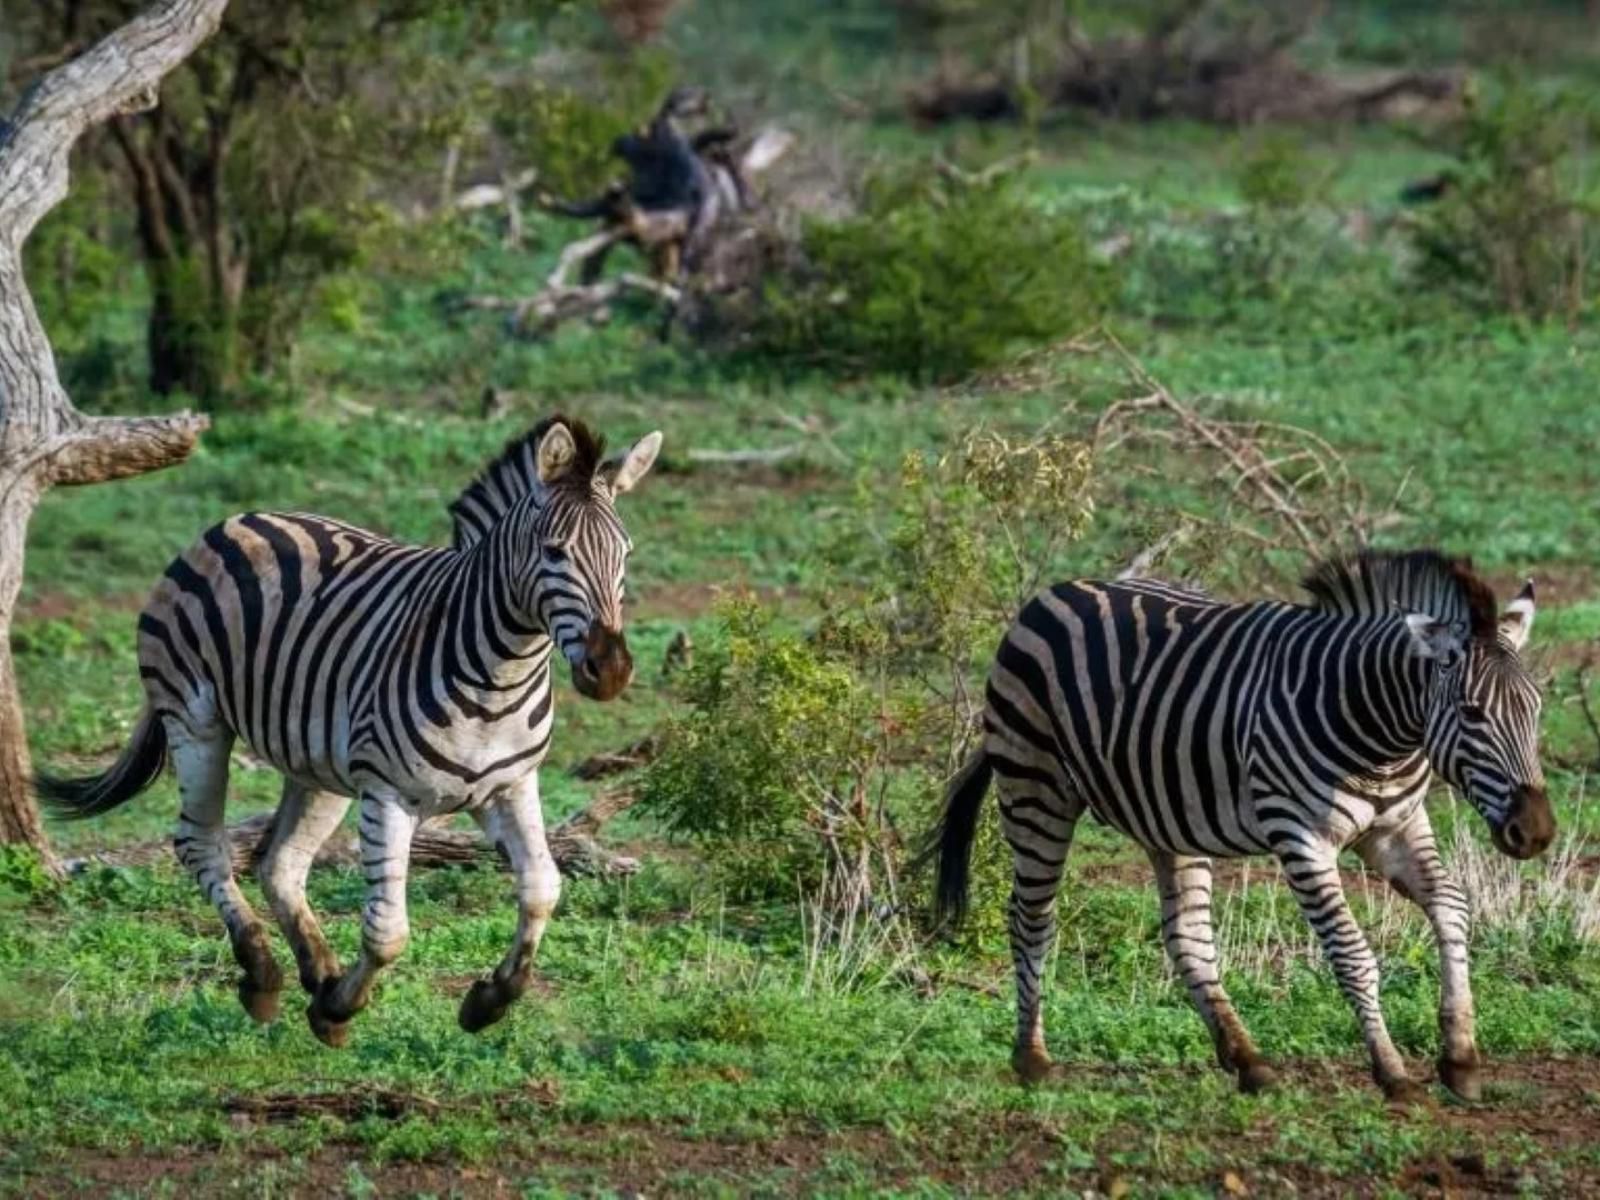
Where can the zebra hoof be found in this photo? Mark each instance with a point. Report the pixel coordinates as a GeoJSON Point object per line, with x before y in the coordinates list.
{"type": "Point", "coordinates": [1032, 1065]}
{"type": "Point", "coordinates": [333, 1034]}
{"type": "Point", "coordinates": [485, 1003]}
{"type": "Point", "coordinates": [263, 1006]}
{"type": "Point", "coordinates": [1403, 1091]}
{"type": "Point", "coordinates": [262, 975]}
{"type": "Point", "coordinates": [1256, 1076]}
{"type": "Point", "coordinates": [1462, 1078]}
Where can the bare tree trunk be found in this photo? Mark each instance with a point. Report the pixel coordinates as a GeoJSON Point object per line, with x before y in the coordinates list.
{"type": "Point", "coordinates": [44, 440]}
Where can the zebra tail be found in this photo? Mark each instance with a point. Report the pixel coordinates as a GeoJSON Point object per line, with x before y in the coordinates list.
{"type": "Point", "coordinates": [136, 768]}
{"type": "Point", "coordinates": [953, 838]}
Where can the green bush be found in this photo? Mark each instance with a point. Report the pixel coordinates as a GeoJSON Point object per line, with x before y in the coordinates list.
{"type": "Point", "coordinates": [767, 767]}
{"type": "Point", "coordinates": [803, 758]}
{"type": "Point", "coordinates": [1516, 230]}
{"type": "Point", "coordinates": [932, 280]}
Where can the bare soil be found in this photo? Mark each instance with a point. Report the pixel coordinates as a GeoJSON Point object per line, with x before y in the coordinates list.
{"type": "Point", "coordinates": [1551, 1103]}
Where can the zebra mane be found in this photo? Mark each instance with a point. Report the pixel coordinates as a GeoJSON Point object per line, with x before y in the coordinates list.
{"type": "Point", "coordinates": [1423, 581]}
{"type": "Point", "coordinates": [515, 473]}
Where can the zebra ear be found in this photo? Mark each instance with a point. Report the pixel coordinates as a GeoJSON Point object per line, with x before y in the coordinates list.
{"type": "Point", "coordinates": [556, 452]}
{"type": "Point", "coordinates": [633, 466]}
{"type": "Point", "coordinates": [1517, 620]}
{"type": "Point", "coordinates": [1436, 639]}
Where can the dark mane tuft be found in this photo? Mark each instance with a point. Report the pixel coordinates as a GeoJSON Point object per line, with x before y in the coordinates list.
{"type": "Point", "coordinates": [1426, 581]}
{"type": "Point", "coordinates": [514, 473]}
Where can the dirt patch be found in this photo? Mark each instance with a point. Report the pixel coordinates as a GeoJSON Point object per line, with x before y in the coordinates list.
{"type": "Point", "coordinates": [1548, 1103]}
{"type": "Point", "coordinates": [798, 476]}
{"type": "Point", "coordinates": [62, 606]}
{"type": "Point", "coordinates": [1555, 583]}
{"type": "Point", "coordinates": [685, 601]}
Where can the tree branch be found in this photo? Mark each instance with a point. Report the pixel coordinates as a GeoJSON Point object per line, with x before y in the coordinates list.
{"type": "Point", "coordinates": [106, 448]}
{"type": "Point", "coordinates": [119, 74]}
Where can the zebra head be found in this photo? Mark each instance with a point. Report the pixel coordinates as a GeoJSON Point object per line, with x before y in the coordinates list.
{"type": "Point", "coordinates": [1482, 725]}
{"type": "Point", "coordinates": [580, 553]}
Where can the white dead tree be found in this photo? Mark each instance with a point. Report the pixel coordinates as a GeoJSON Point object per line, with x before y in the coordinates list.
{"type": "Point", "coordinates": [44, 440]}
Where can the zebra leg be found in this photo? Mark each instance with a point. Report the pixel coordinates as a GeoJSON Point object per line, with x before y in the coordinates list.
{"type": "Point", "coordinates": [1186, 930]}
{"type": "Point", "coordinates": [1038, 824]}
{"type": "Point", "coordinates": [1408, 858]}
{"type": "Point", "coordinates": [1312, 870]}
{"type": "Point", "coordinates": [305, 820]}
{"type": "Point", "coordinates": [515, 822]}
{"type": "Point", "coordinates": [386, 828]}
{"type": "Point", "coordinates": [201, 842]}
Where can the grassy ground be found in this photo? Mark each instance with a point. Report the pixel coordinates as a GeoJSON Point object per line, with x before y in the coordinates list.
{"type": "Point", "coordinates": [677, 1042]}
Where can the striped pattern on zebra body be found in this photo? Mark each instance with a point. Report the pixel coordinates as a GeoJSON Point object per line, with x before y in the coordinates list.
{"type": "Point", "coordinates": [1205, 729]}
{"type": "Point", "coordinates": [415, 678]}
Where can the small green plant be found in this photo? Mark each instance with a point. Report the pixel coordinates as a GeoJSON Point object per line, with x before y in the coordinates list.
{"type": "Point", "coordinates": [1275, 174]}
{"type": "Point", "coordinates": [773, 762]}
{"type": "Point", "coordinates": [1516, 228]}
{"type": "Point", "coordinates": [932, 279]}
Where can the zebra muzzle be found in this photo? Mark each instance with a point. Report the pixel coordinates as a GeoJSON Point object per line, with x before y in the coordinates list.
{"type": "Point", "coordinates": [1529, 827]}
{"type": "Point", "coordinates": [606, 666]}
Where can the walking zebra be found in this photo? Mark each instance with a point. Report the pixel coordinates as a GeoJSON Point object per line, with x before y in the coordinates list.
{"type": "Point", "coordinates": [415, 678]}
{"type": "Point", "coordinates": [1204, 729]}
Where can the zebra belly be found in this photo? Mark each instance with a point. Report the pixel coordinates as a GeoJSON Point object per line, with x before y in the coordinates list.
{"type": "Point", "coordinates": [1182, 822]}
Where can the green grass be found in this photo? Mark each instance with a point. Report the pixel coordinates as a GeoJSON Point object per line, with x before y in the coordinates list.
{"type": "Point", "coordinates": [678, 1042]}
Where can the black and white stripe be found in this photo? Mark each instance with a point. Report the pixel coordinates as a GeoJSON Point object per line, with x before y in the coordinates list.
{"type": "Point", "coordinates": [1203, 729]}
{"type": "Point", "coordinates": [416, 678]}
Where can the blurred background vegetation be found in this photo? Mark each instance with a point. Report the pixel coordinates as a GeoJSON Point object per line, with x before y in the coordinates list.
{"type": "Point", "coordinates": [1041, 289]}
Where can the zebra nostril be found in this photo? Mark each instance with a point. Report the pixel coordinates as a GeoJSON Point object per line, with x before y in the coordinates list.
{"type": "Point", "coordinates": [589, 670]}
{"type": "Point", "coordinates": [1513, 835]}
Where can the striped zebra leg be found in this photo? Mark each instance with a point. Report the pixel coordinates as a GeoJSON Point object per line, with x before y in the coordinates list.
{"type": "Point", "coordinates": [1312, 870]}
{"type": "Point", "coordinates": [201, 843]}
{"type": "Point", "coordinates": [1408, 858]}
{"type": "Point", "coordinates": [516, 824]}
{"type": "Point", "coordinates": [1186, 930]}
{"type": "Point", "coordinates": [1038, 824]}
{"type": "Point", "coordinates": [385, 833]}
{"type": "Point", "coordinates": [305, 820]}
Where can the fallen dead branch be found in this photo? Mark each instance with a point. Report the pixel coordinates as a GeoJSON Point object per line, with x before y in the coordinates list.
{"type": "Point", "coordinates": [1290, 482]}
{"type": "Point", "coordinates": [745, 457]}
{"type": "Point", "coordinates": [1197, 62]}
{"type": "Point", "coordinates": [572, 844]}
{"type": "Point", "coordinates": [347, 1104]}
{"type": "Point", "coordinates": [614, 762]}
{"type": "Point", "coordinates": [683, 198]}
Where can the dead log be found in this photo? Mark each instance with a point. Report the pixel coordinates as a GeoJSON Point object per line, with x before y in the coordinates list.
{"type": "Point", "coordinates": [1193, 61]}
{"type": "Point", "coordinates": [679, 202]}
{"type": "Point", "coordinates": [572, 842]}
{"type": "Point", "coordinates": [614, 762]}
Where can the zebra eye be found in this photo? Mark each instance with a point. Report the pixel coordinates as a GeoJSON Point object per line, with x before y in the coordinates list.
{"type": "Point", "coordinates": [1474, 713]}
{"type": "Point", "coordinates": [555, 553]}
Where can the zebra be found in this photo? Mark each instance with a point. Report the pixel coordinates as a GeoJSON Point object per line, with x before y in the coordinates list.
{"type": "Point", "coordinates": [417, 679]}
{"type": "Point", "coordinates": [1203, 729]}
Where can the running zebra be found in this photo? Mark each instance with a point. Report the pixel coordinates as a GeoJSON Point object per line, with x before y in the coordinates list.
{"type": "Point", "coordinates": [1202, 729]}
{"type": "Point", "coordinates": [415, 678]}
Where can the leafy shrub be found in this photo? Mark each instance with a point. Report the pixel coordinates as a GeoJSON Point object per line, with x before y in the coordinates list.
{"type": "Point", "coordinates": [802, 758]}
{"type": "Point", "coordinates": [1515, 231]}
{"type": "Point", "coordinates": [932, 279]}
{"type": "Point", "coordinates": [770, 761]}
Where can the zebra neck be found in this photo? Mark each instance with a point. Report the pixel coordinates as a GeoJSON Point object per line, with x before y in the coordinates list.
{"type": "Point", "coordinates": [493, 655]}
{"type": "Point", "coordinates": [1376, 702]}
